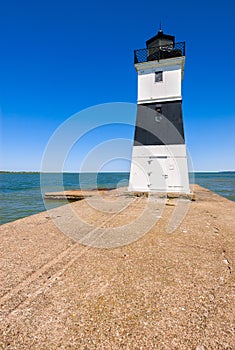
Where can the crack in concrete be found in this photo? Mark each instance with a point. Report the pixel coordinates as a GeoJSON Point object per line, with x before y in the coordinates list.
{"type": "Point", "coordinates": [227, 261]}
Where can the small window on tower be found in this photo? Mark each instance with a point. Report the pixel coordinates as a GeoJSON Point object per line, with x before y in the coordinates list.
{"type": "Point", "coordinates": [158, 77]}
{"type": "Point", "coordinates": [158, 110]}
{"type": "Point", "coordinates": [158, 116]}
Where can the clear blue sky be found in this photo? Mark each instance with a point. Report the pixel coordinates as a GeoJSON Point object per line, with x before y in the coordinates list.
{"type": "Point", "coordinates": [59, 57]}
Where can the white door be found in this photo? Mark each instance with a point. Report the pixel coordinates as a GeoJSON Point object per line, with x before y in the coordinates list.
{"type": "Point", "coordinates": [158, 175]}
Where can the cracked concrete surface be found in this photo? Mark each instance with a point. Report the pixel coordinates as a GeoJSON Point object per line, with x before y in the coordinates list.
{"type": "Point", "coordinates": [163, 291]}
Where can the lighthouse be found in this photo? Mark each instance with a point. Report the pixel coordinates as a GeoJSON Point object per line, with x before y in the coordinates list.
{"type": "Point", "coordinates": [159, 159]}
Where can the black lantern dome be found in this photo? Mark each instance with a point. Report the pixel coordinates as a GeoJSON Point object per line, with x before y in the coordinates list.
{"type": "Point", "coordinates": [160, 40]}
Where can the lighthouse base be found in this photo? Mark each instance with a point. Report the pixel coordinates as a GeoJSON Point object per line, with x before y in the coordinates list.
{"type": "Point", "coordinates": [160, 168]}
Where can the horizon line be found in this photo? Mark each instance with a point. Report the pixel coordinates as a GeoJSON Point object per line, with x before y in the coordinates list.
{"type": "Point", "coordinates": [95, 172]}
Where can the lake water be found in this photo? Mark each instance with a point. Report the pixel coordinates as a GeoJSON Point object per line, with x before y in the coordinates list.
{"type": "Point", "coordinates": [21, 195]}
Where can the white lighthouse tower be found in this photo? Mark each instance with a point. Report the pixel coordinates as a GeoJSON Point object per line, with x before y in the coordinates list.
{"type": "Point", "coordinates": [159, 161]}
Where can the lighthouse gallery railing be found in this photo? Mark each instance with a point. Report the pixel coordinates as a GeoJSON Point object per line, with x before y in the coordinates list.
{"type": "Point", "coordinates": [159, 53]}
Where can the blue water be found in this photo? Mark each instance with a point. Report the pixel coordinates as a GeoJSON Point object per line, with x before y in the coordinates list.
{"type": "Point", "coordinates": [20, 193]}
{"type": "Point", "coordinates": [222, 183]}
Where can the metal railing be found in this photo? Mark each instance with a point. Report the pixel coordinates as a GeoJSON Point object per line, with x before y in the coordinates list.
{"type": "Point", "coordinates": [159, 53]}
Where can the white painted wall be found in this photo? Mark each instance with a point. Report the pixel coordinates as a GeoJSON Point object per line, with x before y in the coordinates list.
{"type": "Point", "coordinates": [159, 169]}
{"type": "Point", "coordinates": [169, 88]}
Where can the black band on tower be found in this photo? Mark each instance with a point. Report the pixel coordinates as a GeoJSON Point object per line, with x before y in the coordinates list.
{"type": "Point", "coordinates": [159, 124]}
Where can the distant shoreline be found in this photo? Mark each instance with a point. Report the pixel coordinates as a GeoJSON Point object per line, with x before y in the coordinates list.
{"type": "Point", "coordinates": [105, 172]}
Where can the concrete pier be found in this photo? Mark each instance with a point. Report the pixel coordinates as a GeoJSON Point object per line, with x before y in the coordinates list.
{"type": "Point", "coordinates": [73, 195]}
{"type": "Point", "coordinates": [162, 291]}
